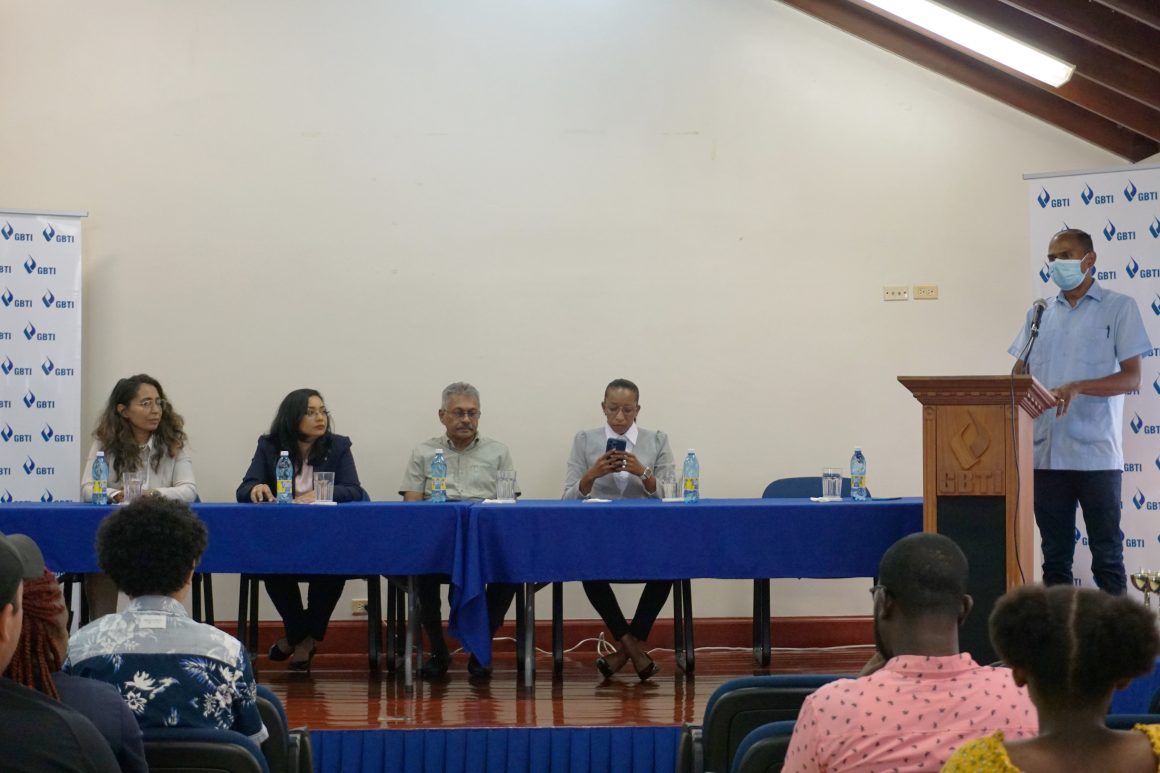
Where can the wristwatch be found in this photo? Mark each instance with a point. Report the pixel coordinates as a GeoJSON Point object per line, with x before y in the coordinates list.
{"type": "Point", "coordinates": [646, 474]}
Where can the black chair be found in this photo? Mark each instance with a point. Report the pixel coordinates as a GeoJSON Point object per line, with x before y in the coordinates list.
{"type": "Point", "coordinates": [764, 749]}
{"type": "Point", "coordinates": [248, 615]}
{"type": "Point", "coordinates": [201, 593]}
{"type": "Point", "coordinates": [782, 488]}
{"type": "Point", "coordinates": [735, 709]}
{"type": "Point", "coordinates": [286, 750]}
{"type": "Point", "coordinates": [201, 750]}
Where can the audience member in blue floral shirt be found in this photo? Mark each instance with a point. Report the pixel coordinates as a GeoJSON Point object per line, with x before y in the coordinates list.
{"type": "Point", "coordinates": [171, 671]}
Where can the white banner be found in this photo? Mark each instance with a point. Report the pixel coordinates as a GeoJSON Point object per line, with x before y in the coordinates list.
{"type": "Point", "coordinates": [40, 356]}
{"type": "Point", "coordinates": [1121, 211]}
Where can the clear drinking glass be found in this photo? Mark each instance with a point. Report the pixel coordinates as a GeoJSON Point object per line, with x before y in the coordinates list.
{"type": "Point", "coordinates": [667, 483]}
{"type": "Point", "coordinates": [832, 482]}
{"type": "Point", "coordinates": [505, 486]}
{"type": "Point", "coordinates": [324, 487]}
{"type": "Point", "coordinates": [131, 483]}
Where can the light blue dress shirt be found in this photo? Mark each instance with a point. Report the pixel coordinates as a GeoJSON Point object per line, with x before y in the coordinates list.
{"type": "Point", "coordinates": [1085, 342]}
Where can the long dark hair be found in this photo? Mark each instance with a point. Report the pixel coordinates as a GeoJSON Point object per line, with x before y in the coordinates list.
{"type": "Point", "coordinates": [284, 434]}
{"type": "Point", "coordinates": [116, 434]}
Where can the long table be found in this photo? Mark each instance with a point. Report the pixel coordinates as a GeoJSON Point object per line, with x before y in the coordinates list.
{"type": "Point", "coordinates": [532, 542]}
{"type": "Point", "coordinates": [352, 539]}
{"type": "Point", "coordinates": [525, 543]}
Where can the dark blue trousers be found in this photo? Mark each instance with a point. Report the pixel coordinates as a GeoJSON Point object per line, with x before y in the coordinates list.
{"type": "Point", "coordinates": [1097, 493]}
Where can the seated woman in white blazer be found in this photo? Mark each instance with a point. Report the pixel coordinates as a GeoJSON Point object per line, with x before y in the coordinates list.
{"type": "Point", "coordinates": [594, 471]}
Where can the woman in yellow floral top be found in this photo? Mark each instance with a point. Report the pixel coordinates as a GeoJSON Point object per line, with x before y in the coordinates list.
{"type": "Point", "coordinates": [1073, 648]}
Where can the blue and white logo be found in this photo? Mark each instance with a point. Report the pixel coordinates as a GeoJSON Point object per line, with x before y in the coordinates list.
{"type": "Point", "coordinates": [6, 433]}
{"type": "Point", "coordinates": [1045, 273]}
{"type": "Point", "coordinates": [46, 497]}
{"type": "Point", "coordinates": [28, 466]}
{"type": "Point", "coordinates": [7, 231]}
{"type": "Point", "coordinates": [47, 433]}
{"type": "Point", "coordinates": [1077, 534]}
{"type": "Point", "coordinates": [1136, 424]}
{"type": "Point", "coordinates": [1138, 500]}
{"type": "Point", "coordinates": [47, 366]}
{"type": "Point", "coordinates": [7, 497]}
{"type": "Point", "coordinates": [7, 297]}
{"type": "Point", "coordinates": [1087, 194]}
{"type": "Point", "coordinates": [1130, 191]}
{"type": "Point", "coordinates": [48, 299]}
{"type": "Point", "coordinates": [1110, 231]}
{"type": "Point", "coordinates": [30, 264]}
{"type": "Point", "coordinates": [1154, 229]}
{"type": "Point", "coordinates": [7, 366]}
{"type": "Point", "coordinates": [49, 232]}
{"type": "Point", "coordinates": [29, 331]}
{"type": "Point", "coordinates": [1132, 267]}
{"type": "Point", "coordinates": [1156, 306]}
{"type": "Point", "coordinates": [1043, 198]}
{"type": "Point", "coordinates": [29, 399]}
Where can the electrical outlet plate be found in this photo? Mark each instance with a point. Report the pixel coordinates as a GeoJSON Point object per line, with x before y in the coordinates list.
{"type": "Point", "coordinates": [926, 292]}
{"type": "Point", "coordinates": [358, 606]}
{"type": "Point", "coordinates": [895, 293]}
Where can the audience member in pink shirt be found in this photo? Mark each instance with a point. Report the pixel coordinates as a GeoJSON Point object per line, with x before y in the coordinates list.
{"type": "Point", "coordinates": [925, 698]}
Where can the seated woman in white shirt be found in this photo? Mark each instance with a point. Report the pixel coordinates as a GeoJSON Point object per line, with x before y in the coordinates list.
{"type": "Point", "coordinates": [595, 471]}
{"type": "Point", "coordinates": [139, 432]}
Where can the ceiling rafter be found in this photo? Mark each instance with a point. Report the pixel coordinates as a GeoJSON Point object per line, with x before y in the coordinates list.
{"type": "Point", "coordinates": [1099, 24]}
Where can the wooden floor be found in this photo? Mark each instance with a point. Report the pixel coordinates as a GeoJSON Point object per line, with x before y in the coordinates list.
{"type": "Point", "coordinates": [341, 693]}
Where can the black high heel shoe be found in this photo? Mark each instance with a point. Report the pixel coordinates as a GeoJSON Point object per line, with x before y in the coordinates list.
{"type": "Point", "coordinates": [277, 654]}
{"type": "Point", "coordinates": [604, 669]}
{"type": "Point", "coordinates": [649, 671]}
{"type": "Point", "coordinates": [303, 665]}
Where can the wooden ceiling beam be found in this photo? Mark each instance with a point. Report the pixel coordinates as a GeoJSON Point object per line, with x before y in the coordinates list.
{"type": "Point", "coordinates": [1096, 63]}
{"type": "Point", "coordinates": [1099, 24]}
{"type": "Point", "coordinates": [1143, 11]}
{"type": "Point", "coordinates": [996, 83]}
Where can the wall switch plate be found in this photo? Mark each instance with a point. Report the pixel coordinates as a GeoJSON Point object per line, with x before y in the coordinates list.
{"type": "Point", "coordinates": [926, 292]}
{"type": "Point", "coordinates": [358, 606]}
{"type": "Point", "coordinates": [895, 293]}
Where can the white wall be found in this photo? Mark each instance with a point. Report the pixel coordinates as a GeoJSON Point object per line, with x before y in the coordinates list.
{"type": "Point", "coordinates": [376, 198]}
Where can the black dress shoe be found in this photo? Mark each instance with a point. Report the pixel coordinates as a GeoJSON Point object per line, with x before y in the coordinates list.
{"type": "Point", "coordinates": [303, 665]}
{"type": "Point", "coordinates": [477, 669]}
{"type": "Point", "coordinates": [435, 667]}
{"type": "Point", "coordinates": [277, 654]}
{"type": "Point", "coordinates": [649, 671]}
{"type": "Point", "coordinates": [603, 667]}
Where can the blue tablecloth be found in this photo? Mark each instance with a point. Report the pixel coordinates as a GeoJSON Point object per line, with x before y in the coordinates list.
{"type": "Point", "coordinates": [530, 541]}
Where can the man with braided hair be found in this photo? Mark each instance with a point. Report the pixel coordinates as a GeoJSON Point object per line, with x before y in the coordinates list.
{"type": "Point", "coordinates": [39, 654]}
{"type": "Point", "coordinates": [37, 734]}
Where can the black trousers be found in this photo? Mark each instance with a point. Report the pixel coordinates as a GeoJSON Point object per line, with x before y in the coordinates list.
{"type": "Point", "coordinates": [322, 597]}
{"type": "Point", "coordinates": [499, 599]}
{"type": "Point", "coordinates": [1057, 492]}
{"type": "Point", "coordinates": [652, 598]}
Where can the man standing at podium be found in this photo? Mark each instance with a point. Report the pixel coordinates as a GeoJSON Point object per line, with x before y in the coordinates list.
{"type": "Point", "coordinates": [1088, 351]}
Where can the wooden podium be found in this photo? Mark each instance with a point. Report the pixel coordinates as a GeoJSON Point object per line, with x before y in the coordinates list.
{"type": "Point", "coordinates": [977, 481]}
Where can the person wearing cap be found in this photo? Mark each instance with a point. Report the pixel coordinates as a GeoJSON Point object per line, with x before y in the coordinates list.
{"type": "Point", "coordinates": [37, 734]}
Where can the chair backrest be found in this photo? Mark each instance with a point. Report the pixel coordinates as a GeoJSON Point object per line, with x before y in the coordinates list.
{"type": "Point", "coordinates": [276, 747]}
{"type": "Point", "coordinates": [1128, 721]}
{"type": "Point", "coordinates": [201, 750]}
{"type": "Point", "coordinates": [742, 705]}
{"type": "Point", "coordinates": [809, 486]}
{"type": "Point", "coordinates": [764, 749]}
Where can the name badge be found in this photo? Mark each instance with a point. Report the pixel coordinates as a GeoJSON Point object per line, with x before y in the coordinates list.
{"type": "Point", "coordinates": [151, 621]}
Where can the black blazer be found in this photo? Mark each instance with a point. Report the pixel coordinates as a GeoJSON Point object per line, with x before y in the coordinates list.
{"type": "Point", "coordinates": [338, 460]}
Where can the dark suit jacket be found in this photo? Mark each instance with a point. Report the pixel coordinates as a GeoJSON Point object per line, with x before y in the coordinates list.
{"type": "Point", "coordinates": [101, 704]}
{"type": "Point", "coordinates": [338, 460]}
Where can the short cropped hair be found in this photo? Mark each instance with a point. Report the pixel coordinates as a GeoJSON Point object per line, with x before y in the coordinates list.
{"type": "Point", "coordinates": [149, 547]}
{"type": "Point", "coordinates": [458, 388]}
{"type": "Point", "coordinates": [1083, 237]}
{"type": "Point", "coordinates": [1076, 643]}
{"type": "Point", "coordinates": [925, 574]}
{"type": "Point", "coordinates": [622, 383]}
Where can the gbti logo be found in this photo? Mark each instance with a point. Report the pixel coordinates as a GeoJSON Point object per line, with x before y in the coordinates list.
{"type": "Point", "coordinates": [1045, 273]}
{"type": "Point", "coordinates": [7, 366]}
{"type": "Point", "coordinates": [1156, 306]}
{"type": "Point", "coordinates": [48, 233]}
{"type": "Point", "coordinates": [7, 231]}
{"type": "Point", "coordinates": [29, 331]}
{"type": "Point", "coordinates": [7, 497]}
{"type": "Point", "coordinates": [47, 433]}
{"type": "Point", "coordinates": [47, 366]}
{"type": "Point", "coordinates": [30, 264]}
{"type": "Point", "coordinates": [1138, 500]}
{"type": "Point", "coordinates": [1136, 424]}
{"type": "Point", "coordinates": [7, 297]}
{"type": "Point", "coordinates": [6, 433]}
{"type": "Point", "coordinates": [1043, 198]}
{"type": "Point", "coordinates": [48, 299]}
{"type": "Point", "coordinates": [1110, 231]}
{"type": "Point", "coordinates": [46, 497]}
{"type": "Point", "coordinates": [1154, 229]}
{"type": "Point", "coordinates": [29, 399]}
{"type": "Point", "coordinates": [28, 466]}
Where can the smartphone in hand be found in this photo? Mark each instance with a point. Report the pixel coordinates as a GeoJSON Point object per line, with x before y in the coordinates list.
{"type": "Point", "coordinates": [616, 444]}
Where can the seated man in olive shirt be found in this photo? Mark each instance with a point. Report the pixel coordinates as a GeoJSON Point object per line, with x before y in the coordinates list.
{"type": "Point", "coordinates": [473, 463]}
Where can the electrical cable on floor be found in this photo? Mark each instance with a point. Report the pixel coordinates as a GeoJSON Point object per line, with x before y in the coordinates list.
{"type": "Point", "coordinates": [604, 647]}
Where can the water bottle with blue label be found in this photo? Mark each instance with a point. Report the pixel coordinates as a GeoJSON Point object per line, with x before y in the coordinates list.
{"type": "Point", "coordinates": [100, 480]}
{"type": "Point", "coordinates": [858, 474]}
{"type": "Point", "coordinates": [439, 477]}
{"type": "Point", "coordinates": [692, 477]}
{"type": "Point", "coordinates": [284, 472]}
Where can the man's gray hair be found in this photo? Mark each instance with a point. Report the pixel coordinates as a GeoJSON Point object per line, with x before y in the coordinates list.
{"type": "Point", "coordinates": [459, 388]}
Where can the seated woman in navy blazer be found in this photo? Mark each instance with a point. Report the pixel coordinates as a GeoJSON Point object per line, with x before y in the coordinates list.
{"type": "Point", "coordinates": [302, 426]}
{"type": "Point", "coordinates": [596, 471]}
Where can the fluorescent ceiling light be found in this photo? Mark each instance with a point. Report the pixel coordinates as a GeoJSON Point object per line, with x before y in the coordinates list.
{"type": "Point", "coordinates": [985, 41]}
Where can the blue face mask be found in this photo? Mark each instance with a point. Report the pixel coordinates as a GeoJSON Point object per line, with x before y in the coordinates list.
{"type": "Point", "coordinates": [1067, 274]}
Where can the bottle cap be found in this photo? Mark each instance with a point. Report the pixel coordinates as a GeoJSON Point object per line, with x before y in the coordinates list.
{"type": "Point", "coordinates": [100, 453]}
{"type": "Point", "coordinates": [857, 449]}
{"type": "Point", "coordinates": [692, 451]}
{"type": "Point", "coordinates": [285, 453]}
{"type": "Point", "coordinates": [438, 450]}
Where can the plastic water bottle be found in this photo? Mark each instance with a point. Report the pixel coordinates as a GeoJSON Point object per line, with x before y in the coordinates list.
{"type": "Point", "coordinates": [100, 480]}
{"type": "Point", "coordinates": [284, 472]}
{"type": "Point", "coordinates": [439, 477]}
{"type": "Point", "coordinates": [692, 476]}
{"type": "Point", "coordinates": [858, 474]}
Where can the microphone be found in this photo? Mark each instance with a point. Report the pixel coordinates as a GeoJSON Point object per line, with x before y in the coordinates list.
{"type": "Point", "coordinates": [1039, 307]}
